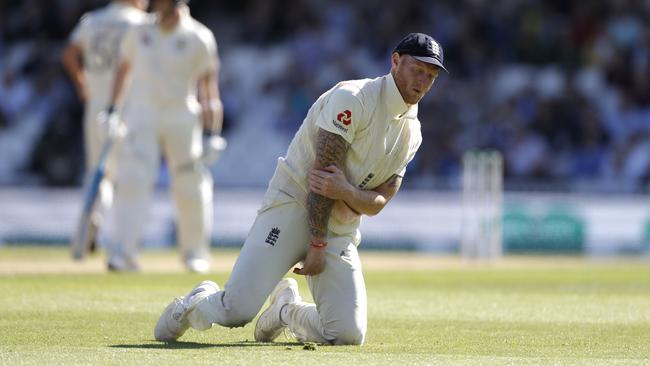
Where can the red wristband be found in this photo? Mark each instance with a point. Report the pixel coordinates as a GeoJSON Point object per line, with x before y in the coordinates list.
{"type": "Point", "coordinates": [318, 243]}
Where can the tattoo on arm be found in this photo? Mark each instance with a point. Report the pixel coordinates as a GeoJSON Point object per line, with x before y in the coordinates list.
{"type": "Point", "coordinates": [330, 149]}
{"type": "Point", "coordinates": [319, 208]}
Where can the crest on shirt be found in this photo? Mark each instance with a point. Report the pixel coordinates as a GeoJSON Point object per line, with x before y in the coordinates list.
{"type": "Point", "coordinates": [146, 39]}
{"type": "Point", "coordinates": [181, 43]}
{"type": "Point", "coordinates": [342, 120]}
{"type": "Point", "coordinates": [273, 236]}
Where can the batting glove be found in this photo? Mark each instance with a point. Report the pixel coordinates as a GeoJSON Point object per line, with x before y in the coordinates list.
{"type": "Point", "coordinates": [110, 123]}
{"type": "Point", "coordinates": [213, 146]}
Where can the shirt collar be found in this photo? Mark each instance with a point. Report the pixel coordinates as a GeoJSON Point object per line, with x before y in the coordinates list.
{"type": "Point", "coordinates": [184, 18]}
{"type": "Point", "coordinates": [118, 5]}
{"type": "Point", "coordinates": [185, 12]}
{"type": "Point", "coordinates": [395, 104]}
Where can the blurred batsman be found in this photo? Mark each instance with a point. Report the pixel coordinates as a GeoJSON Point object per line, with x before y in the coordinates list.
{"type": "Point", "coordinates": [91, 60]}
{"type": "Point", "coordinates": [346, 160]}
{"type": "Point", "coordinates": [174, 109]}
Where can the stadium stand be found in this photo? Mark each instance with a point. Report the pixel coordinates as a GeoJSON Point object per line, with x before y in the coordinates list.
{"type": "Point", "coordinates": [562, 88]}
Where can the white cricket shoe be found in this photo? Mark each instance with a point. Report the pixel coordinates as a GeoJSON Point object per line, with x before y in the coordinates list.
{"type": "Point", "coordinates": [197, 265]}
{"type": "Point", "coordinates": [269, 325]}
{"type": "Point", "coordinates": [173, 322]}
{"type": "Point", "coordinates": [122, 264]}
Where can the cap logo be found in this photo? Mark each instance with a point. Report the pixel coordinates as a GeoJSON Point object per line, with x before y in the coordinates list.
{"type": "Point", "coordinates": [435, 48]}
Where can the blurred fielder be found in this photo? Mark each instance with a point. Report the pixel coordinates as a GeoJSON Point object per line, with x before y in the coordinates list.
{"type": "Point", "coordinates": [175, 109]}
{"type": "Point", "coordinates": [347, 159]}
{"type": "Point", "coordinates": [91, 60]}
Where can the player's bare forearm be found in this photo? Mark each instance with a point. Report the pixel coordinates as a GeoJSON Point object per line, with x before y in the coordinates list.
{"type": "Point", "coordinates": [331, 182]}
{"type": "Point", "coordinates": [319, 208]}
{"type": "Point", "coordinates": [72, 63]}
{"type": "Point", "coordinates": [330, 150]}
{"type": "Point", "coordinates": [371, 202]}
{"type": "Point", "coordinates": [365, 202]}
{"type": "Point", "coordinates": [211, 105]}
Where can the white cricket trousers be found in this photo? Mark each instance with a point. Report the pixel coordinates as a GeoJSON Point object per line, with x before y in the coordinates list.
{"type": "Point", "coordinates": [339, 315]}
{"type": "Point", "coordinates": [176, 133]}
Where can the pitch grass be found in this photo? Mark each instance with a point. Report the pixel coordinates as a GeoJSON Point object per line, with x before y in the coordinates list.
{"type": "Point", "coordinates": [549, 311]}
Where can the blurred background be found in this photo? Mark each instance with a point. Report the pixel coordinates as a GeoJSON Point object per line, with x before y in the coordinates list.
{"type": "Point", "coordinates": [560, 88]}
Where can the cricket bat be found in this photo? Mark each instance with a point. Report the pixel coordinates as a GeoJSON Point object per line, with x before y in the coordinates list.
{"type": "Point", "coordinates": [85, 234]}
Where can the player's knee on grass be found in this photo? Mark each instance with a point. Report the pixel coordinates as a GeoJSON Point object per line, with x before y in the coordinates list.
{"type": "Point", "coordinates": [237, 311]}
{"type": "Point", "coordinates": [217, 308]}
{"type": "Point", "coordinates": [345, 332]}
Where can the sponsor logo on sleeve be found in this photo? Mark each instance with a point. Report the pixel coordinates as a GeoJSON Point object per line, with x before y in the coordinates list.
{"type": "Point", "coordinates": [342, 120]}
{"type": "Point", "coordinates": [345, 117]}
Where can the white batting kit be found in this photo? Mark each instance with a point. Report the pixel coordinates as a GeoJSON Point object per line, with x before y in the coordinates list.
{"type": "Point", "coordinates": [98, 35]}
{"type": "Point", "coordinates": [384, 134]}
{"type": "Point", "coordinates": [164, 116]}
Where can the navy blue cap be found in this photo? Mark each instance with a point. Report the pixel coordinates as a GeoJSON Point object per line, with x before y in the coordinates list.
{"type": "Point", "coordinates": [422, 47]}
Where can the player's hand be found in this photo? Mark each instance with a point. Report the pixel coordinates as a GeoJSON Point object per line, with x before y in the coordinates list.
{"type": "Point", "coordinates": [329, 182]}
{"type": "Point", "coordinates": [313, 264]}
{"type": "Point", "coordinates": [213, 146]}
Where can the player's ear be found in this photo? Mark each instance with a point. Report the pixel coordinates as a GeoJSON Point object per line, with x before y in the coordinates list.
{"type": "Point", "coordinates": [395, 59]}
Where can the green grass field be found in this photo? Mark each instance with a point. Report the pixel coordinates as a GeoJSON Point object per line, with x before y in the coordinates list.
{"type": "Point", "coordinates": [422, 311]}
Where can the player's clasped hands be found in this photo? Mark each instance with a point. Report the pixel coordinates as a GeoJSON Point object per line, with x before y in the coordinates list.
{"type": "Point", "coordinates": [329, 182]}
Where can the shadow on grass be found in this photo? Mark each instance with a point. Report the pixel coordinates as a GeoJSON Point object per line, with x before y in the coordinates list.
{"type": "Point", "coordinates": [196, 345]}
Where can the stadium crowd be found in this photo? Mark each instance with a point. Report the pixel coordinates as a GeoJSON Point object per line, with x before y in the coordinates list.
{"type": "Point", "coordinates": [561, 88]}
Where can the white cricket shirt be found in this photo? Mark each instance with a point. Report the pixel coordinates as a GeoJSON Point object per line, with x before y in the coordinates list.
{"type": "Point", "coordinates": [99, 34]}
{"type": "Point", "coordinates": [167, 65]}
{"type": "Point", "coordinates": [383, 132]}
